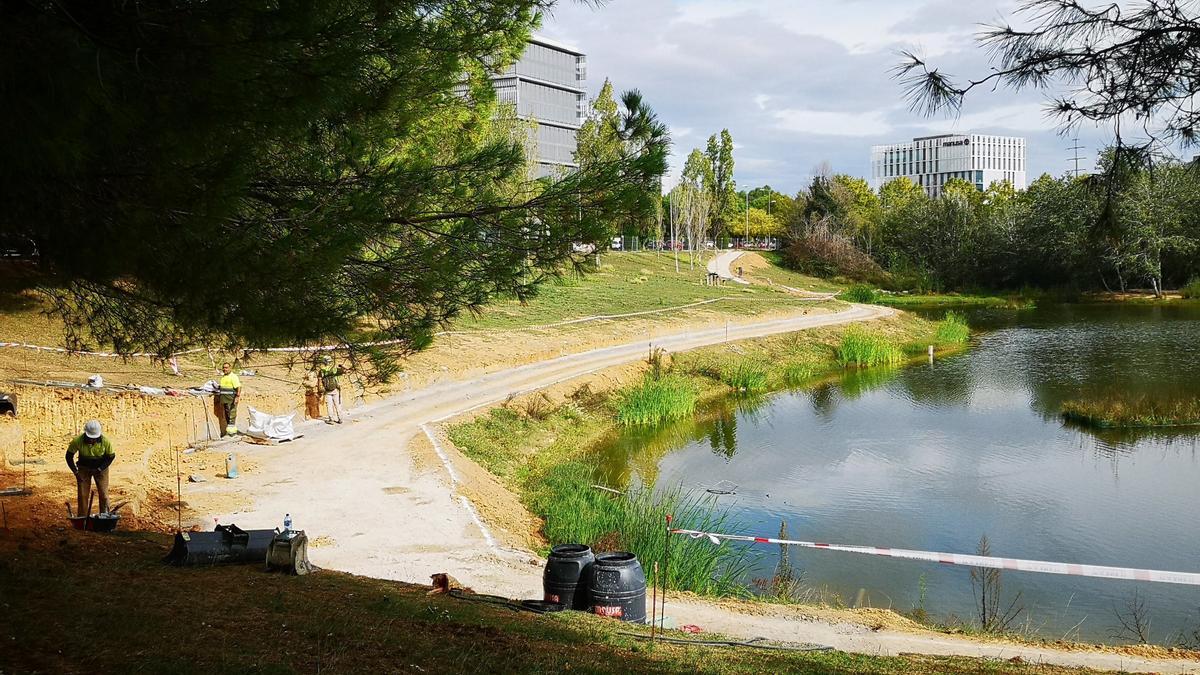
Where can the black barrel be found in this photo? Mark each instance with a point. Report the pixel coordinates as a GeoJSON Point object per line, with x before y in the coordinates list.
{"type": "Point", "coordinates": [618, 587]}
{"type": "Point", "coordinates": [565, 579]}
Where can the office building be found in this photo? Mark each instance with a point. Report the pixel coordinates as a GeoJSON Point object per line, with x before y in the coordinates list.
{"type": "Point", "coordinates": [547, 86]}
{"type": "Point", "coordinates": [930, 161]}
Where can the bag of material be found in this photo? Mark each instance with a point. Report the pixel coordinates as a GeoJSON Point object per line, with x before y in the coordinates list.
{"type": "Point", "coordinates": [272, 427]}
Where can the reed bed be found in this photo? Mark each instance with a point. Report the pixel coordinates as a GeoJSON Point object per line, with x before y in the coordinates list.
{"type": "Point", "coordinates": [746, 375]}
{"type": "Point", "coordinates": [952, 330]}
{"type": "Point", "coordinates": [656, 400]}
{"type": "Point", "coordinates": [576, 512]}
{"type": "Point", "coordinates": [865, 348]}
{"type": "Point", "coordinates": [1132, 412]}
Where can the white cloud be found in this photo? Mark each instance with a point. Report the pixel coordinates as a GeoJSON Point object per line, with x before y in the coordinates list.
{"type": "Point", "coordinates": [761, 100]}
{"type": "Point", "coordinates": [820, 122]}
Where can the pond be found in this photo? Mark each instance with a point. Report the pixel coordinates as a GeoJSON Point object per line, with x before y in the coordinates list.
{"type": "Point", "coordinates": [933, 456]}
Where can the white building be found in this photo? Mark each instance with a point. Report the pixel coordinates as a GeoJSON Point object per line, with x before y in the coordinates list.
{"type": "Point", "coordinates": [930, 161]}
{"type": "Point", "coordinates": [547, 85]}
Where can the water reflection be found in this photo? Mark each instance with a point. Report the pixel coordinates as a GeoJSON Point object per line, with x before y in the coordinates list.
{"type": "Point", "coordinates": [931, 457]}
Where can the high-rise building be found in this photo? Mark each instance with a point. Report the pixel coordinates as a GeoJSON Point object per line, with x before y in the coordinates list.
{"type": "Point", "coordinates": [547, 86]}
{"type": "Point", "coordinates": [930, 161]}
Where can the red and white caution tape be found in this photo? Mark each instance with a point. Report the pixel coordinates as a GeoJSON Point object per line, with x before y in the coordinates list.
{"type": "Point", "coordinates": [1189, 578]}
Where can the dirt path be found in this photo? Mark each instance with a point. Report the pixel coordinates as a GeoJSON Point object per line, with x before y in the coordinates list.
{"type": "Point", "coordinates": [377, 504]}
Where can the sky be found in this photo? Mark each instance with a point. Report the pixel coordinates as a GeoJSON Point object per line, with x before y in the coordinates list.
{"type": "Point", "coordinates": [801, 82]}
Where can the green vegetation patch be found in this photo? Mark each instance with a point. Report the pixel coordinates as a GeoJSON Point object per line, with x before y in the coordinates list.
{"type": "Point", "coordinates": [865, 348]}
{"type": "Point", "coordinates": [952, 330]}
{"type": "Point", "coordinates": [1132, 412]}
{"type": "Point", "coordinates": [577, 512]}
{"type": "Point", "coordinates": [1192, 290]}
{"type": "Point", "coordinates": [861, 293]}
{"type": "Point", "coordinates": [657, 400]}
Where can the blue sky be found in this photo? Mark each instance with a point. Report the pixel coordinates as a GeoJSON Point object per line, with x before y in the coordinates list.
{"type": "Point", "coordinates": [800, 82]}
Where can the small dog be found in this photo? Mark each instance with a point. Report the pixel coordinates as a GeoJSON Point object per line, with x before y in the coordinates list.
{"type": "Point", "coordinates": [444, 583]}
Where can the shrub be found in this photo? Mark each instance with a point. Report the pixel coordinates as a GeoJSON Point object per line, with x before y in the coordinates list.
{"type": "Point", "coordinates": [1192, 290]}
{"type": "Point", "coordinates": [952, 330]}
{"type": "Point", "coordinates": [864, 348]}
{"type": "Point", "coordinates": [859, 293]}
{"type": "Point", "coordinates": [657, 400]}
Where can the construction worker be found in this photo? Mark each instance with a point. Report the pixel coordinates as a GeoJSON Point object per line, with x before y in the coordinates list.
{"type": "Point", "coordinates": [333, 389]}
{"type": "Point", "coordinates": [229, 393]}
{"type": "Point", "coordinates": [95, 455]}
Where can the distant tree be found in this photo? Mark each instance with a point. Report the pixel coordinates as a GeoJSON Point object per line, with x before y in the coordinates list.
{"type": "Point", "coordinates": [599, 138]}
{"type": "Point", "coordinates": [723, 190]}
{"type": "Point", "coordinates": [250, 174]}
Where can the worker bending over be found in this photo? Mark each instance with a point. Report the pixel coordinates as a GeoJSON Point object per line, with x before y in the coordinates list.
{"type": "Point", "coordinates": [95, 455]}
{"type": "Point", "coordinates": [333, 389]}
{"type": "Point", "coordinates": [229, 393]}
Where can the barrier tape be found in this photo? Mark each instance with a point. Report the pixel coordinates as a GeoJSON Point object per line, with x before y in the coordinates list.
{"type": "Point", "coordinates": [1042, 566]}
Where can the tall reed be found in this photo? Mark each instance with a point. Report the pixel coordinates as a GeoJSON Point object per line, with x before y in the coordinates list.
{"type": "Point", "coordinates": [745, 375]}
{"type": "Point", "coordinates": [864, 348]}
{"type": "Point", "coordinates": [657, 399]}
{"type": "Point", "coordinates": [952, 329]}
{"type": "Point", "coordinates": [575, 512]}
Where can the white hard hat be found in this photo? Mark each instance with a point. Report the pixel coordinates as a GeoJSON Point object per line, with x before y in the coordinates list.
{"type": "Point", "coordinates": [92, 429]}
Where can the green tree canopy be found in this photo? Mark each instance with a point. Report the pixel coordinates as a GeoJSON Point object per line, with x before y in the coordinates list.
{"type": "Point", "coordinates": [252, 174]}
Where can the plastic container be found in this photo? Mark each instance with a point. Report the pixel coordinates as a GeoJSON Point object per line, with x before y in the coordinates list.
{"type": "Point", "coordinates": [618, 587]}
{"type": "Point", "coordinates": [565, 578]}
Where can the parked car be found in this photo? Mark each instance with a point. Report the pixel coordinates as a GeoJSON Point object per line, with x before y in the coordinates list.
{"type": "Point", "coordinates": [616, 244]}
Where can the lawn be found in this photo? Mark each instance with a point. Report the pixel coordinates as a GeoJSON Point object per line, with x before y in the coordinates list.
{"type": "Point", "coordinates": [636, 282]}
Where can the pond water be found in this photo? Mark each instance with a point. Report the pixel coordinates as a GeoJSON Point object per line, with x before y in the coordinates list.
{"type": "Point", "coordinates": [931, 457]}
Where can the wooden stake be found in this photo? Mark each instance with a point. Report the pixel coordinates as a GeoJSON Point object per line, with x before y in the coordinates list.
{"type": "Point", "coordinates": [178, 488]}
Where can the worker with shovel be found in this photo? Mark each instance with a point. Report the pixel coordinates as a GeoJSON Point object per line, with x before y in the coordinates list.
{"type": "Point", "coordinates": [333, 389]}
{"type": "Point", "coordinates": [95, 455]}
{"type": "Point", "coordinates": [229, 392]}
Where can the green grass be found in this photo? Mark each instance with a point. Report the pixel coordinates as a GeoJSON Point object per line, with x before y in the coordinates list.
{"type": "Point", "coordinates": [745, 375]}
{"type": "Point", "coordinates": [626, 283]}
{"type": "Point", "coordinates": [865, 348]}
{"type": "Point", "coordinates": [952, 330]}
{"type": "Point", "coordinates": [1192, 290]}
{"type": "Point", "coordinates": [953, 300]}
{"type": "Point", "coordinates": [1126, 412]}
{"type": "Point", "coordinates": [657, 400]}
{"type": "Point", "coordinates": [575, 512]}
{"type": "Point", "coordinates": [241, 620]}
{"type": "Point", "coordinates": [861, 293]}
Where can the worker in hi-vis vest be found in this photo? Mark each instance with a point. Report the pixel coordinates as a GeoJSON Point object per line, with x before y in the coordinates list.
{"type": "Point", "coordinates": [229, 393]}
{"type": "Point", "coordinates": [95, 454]}
{"type": "Point", "coordinates": [333, 389]}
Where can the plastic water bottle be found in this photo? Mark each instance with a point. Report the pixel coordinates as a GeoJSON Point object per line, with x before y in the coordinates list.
{"type": "Point", "coordinates": [287, 522]}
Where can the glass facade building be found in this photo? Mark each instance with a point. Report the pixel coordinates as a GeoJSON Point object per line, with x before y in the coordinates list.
{"type": "Point", "coordinates": [547, 86]}
{"type": "Point", "coordinates": [931, 161]}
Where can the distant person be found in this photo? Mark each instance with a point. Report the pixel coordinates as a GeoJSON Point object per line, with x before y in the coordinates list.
{"type": "Point", "coordinates": [95, 455]}
{"type": "Point", "coordinates": [333, 389]}
{"type": "Point", "coordinates": [229, 393]}
{"type": "Point", "coordinates": [312, 395]}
